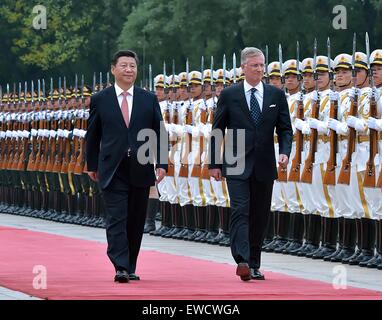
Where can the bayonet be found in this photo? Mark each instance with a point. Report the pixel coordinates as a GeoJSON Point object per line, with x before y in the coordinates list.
{"type": "Point", "coordinates": [266, 64]}
{"type": "Point", "coordinates": [51, 89]}
{"type": "Point", "coordinates": [173, 76]}
{"type": "Point", "coordinates": [281, 64]}
{"type": "Point", "coordinates": [150, 78]}
{"type": "Point", "coordinates": [76, 86]}
{"type": "Point", "coordinates": [202, 70]}
{"type": "Point", "coordinates": [331, 75]}
{"type": "Point", "coordinates": [224, 70]}
{"type": "Point", "coordinates": [234, 67]}
{"type": "Point", "coordinates": [65, 97]}
{"type": "Point", "coordinates": [100, 81]}
{"type": "Point", "coordinates": [25, 92]}
{"type": "Point", "coordinates": [299, 77]}
{"type": "Point", "coordinates": [32, 92]}
{"type": "Point", "coordinates": [94, 82]}
{"type": "Point", "coordinates": [212, 74]}
{"type": "Point", "coordinates": [107, 79]}
{"type": "Point", "coordinates": [354, 74]}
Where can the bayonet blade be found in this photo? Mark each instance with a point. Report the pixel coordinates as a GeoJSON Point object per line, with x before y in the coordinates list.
{"type": "Point", "coordinates": [224, 69]}
{"type": "Point", "coordinates": [202, 69]}
{"type": "Point", "coordinates": [65, 89]}
{"type": "Point", "coordinates": [94, 82]}
{"type": "Point", "coordinates": [51, 89]}
{"type": "Point", "coordinates": [82, 86]}
{"type": "Point", "coordinates": [150, 78]}
{"type": "Point", "coordinates": [281, 63]}
{"type": "Point", "coordinates": [76, 86]}
{"type": "Point", "coordinates": [367, 50]}
{"type": "Point", "coordinates": [38, 90]}
{"type": "Point", "coordinates": [353, 57]}
{"type": "Point", "coordinates": [234, 67]}
{"type": "Point", "coordinates": [32, 91]}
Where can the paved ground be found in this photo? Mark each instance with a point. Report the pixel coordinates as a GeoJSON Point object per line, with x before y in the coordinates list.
{"type": "Point", "coordinates": [295, 266]}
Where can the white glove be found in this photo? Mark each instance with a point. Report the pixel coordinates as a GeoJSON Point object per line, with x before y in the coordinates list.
{"type": "Point", "coordinates": [357, 124]}
{"type": "Point", "coordinates": [52, 133]}
{"type": "Point", "coordinates": [315, 95]}
{"type": "Point", "coordinates": [375, 124]}
{"type": "Point", "coordinates": [188, 128]}
{"type": "Point", "coordinates": [353, 92]}
{"type": "Point", "coordinates": [166, 125]}
{"type": "Point", "coordinates": [34, 132]}
{"type": "Point", "coordinates": [207, 130]}
{"type": "Point", "coordinates": [334, 96]}
{"type": "Point", "coordinates": [302, 125]}
{"type": "Point", "coordinates": [320, 126]}
{"type": "Point", "coordinates": [195, 132]}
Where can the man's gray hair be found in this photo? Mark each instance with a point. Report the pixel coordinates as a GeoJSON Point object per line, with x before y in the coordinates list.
{"type": "Point", "coordinates": [250, 52]}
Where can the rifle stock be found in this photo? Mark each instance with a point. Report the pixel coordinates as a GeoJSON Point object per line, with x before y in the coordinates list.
{"type": "Point", "coordinates": [294, 174]}
{"type": "Point", "coordinates": [369, 180]}
{"type": "Point", "coordinates": [344, 176]}
{"type": "Point", "coordinates": [183, 172]}
{"type": "Point", "coordinates": [330, 173]}
{"type": "Point", "coordinates": [307, 173]}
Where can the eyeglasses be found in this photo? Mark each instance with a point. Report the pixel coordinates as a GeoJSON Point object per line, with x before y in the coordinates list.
{"type": "Point", "coordinates": [256, 66]}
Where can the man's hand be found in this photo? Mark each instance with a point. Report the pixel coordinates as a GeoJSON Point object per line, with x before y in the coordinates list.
{"type": "Point", "coordinates": [216, 174]}
{"type": "Point", "coordinates": [160, 173]}
{"type": "Point", "coordinates": [93, 175]}
{"type": "Point", "coordinates": [283, 160]}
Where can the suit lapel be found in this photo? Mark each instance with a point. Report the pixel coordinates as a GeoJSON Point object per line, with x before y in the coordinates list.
{"type": "Point", "coordinates": [115, 104]}
{"type": "Point", "coordinates": [266, 102]}
{"type": "Point", "coordinates": [243, 101]}
{"type": "Point", "coordinates": [136, 103]}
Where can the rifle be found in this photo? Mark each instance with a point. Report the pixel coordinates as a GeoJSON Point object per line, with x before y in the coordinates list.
{"type": "Point", "coordinates": [60, 132]}
{"type": "Point", "coordinates": [369, 180]}
{"type": "Point", "coordinates": [45, 125]}
{"type": "Point", "coordinates": [197, 168]}
{"type": "Point", "coordinates": [14, 128]}
{"type": "Point", "coordinates": [80, 166]}
{"type": "Point", "coordinates": [294, 174]}
{"type": "Point", "coordinates": [21, 164]}
{"type": "Point", "coordinates": [205, 171]}
{"type": "Point", "coordinates": [344, 176]}
{"type": "Point", "coordinates": [53, 132]}
{"type": "Point", "coordinates": [77, 126]}
{"type": "Point", "coordinates": [186, 145]}
{"type": "Point", "coordinates": [282, 173]}
{"type": "Point", "coordinates": [4, 140]}
{"type": "Point", "coordinates": [166, 116]}
{"type": "Point", "coordinates": [330, 173]}
{"type": "Point", "coordinates": [307, 173]}
{"type": "Point", "coordinates": [67, 128]}
{"type": "Point", "coordinates": [18, 138]}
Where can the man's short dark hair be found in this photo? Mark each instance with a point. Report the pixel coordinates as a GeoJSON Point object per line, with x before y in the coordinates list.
{"type": "Point", "coordinates": [124, 53]}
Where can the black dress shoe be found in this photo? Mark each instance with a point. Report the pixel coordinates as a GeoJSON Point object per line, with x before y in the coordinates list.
{"type": "Point", "coordinates": [121, 276]}
{"type": "Point", "coordinates": [243, 271]}
{"type": "Point", "coordinates": [256, 274]}
{"type": "Point", "coordinates": [133, 276]}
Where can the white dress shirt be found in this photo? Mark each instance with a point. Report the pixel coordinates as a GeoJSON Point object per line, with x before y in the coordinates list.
{"type": "Point", "coordinates": [259, 93]}
{"type": "Point", "coordinates": [130, 96]}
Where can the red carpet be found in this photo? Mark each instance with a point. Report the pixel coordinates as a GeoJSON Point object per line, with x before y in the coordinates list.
{"type": "Point", "coordinates": [80, 269]}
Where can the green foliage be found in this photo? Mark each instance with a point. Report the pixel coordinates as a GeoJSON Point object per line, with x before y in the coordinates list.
{"type": "Point", "coordinates": [81, 36]}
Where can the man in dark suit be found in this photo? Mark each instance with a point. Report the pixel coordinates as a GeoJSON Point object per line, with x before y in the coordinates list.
{"type": "Point", "coordinates": [118, 114]}
{"type": "Point", "coordinates": [250, 111]}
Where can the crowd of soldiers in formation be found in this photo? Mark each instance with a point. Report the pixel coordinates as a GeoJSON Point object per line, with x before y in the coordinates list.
{"type": "Point", "coordinates": [42, 160]}
{"type": "Point", "coordinates": [326, 205]}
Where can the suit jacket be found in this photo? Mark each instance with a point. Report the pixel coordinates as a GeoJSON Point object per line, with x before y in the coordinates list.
{"type": "Point", "coordinates": [108, 140]}
{"type": "Point", "coordinates": [257, 150]}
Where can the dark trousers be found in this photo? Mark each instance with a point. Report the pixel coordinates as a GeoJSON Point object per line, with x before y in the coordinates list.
{"type": "Point", "coordinates": [125, 218]}
{"type": "Point", "coordinates": [250, 202]}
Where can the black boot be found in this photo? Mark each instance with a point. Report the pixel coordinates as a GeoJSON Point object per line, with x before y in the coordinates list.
{"type": "Point", "coordinates": [368, 242]}
{"type": "Point", "coordinates": [305, 236]}
{"type": "Point", "coordinates": [377, 260]}
{"type": "Point", "coordinates": [270, 231]}
{"type": "Point", "coordinates": [152, 209]}
{"type": "Point", "coordinates": [297, 234]}
{"type": "Point", "coordinates": [225, 240]}
{"type": "Point", "coordinates": [357, 251]}
{"type": "Point", "coordinates": [313, 237]}
{"type": "Point", "coordinates": [166, 219]}
{"type": "Point", "coordinates": [202, 219]}
{"type": "Point", "coordinates": [330, 239]}
{"type": "Point", "coordinates": [220, 234]}
{"type": "Point", "coordinates": [190, 222]}
{"type": "Point", "coordinates": [282, 233]}
{"type": "Point", "coordinates": [341, 226]}
{"type": "Point", "coordinates": [349, 239]}
{"type": "Point", "coordinates": [212, 223]}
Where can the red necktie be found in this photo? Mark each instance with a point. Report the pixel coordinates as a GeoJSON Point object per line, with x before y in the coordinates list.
{"type": "Point", "coordinates": [125, 108]}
